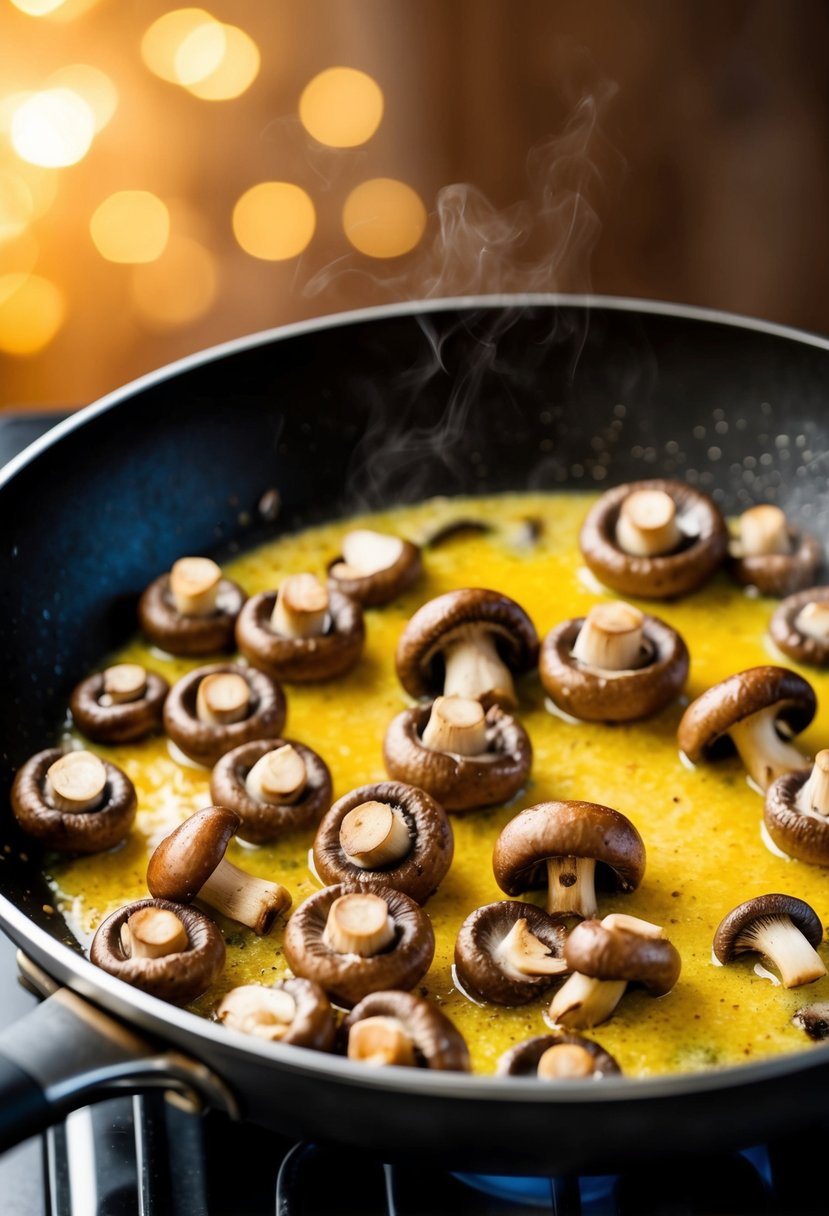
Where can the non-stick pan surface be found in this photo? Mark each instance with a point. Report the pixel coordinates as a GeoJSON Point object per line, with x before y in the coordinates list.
{"type": "Point", "coordinates": [359, 411]}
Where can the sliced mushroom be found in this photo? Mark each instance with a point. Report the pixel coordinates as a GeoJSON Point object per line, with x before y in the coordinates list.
{"type": "Point", "coordinates": [292, 1011]}
{"type": "Point", "coordinates": [571, 847]}
{"type": "Point", "coordinates": [468, 642]}
{"type": "Point", "coordinates": [508, 952]}
{"type": "Point", "coordinates": [73, 802]}
{"type": "Point", "coordinates": [190, 864]}
{"type": "Point", "coordinates": [192, 610]}
{"type": "Point", "coordinates": [783, 929]}
{"type": "Point", "coordinates": [814, 1019]}
{"type": "Point", "coordinates": [399, 1028]}
{"type": "Point", "coordinates": [558, 1057]}
{"type": "Point", "coordinates": [215, 709]}
{"type": "Point", "coordinates": [654, 539]}
{"type": "Point", "coordinates": [461, 755]}
{"type": "Point", "coordinates": [118, 705]}
{"type": "Point", "coordinates": [375, 568]}
{"type": "Point", "coordinates": [796, 812]}
{"type": "Point", "coordinates": [614, 665]}
{"type": "Point", "coordinates": [167, 949]}
{"type": "Point", "coordinates": [800, 626]}
{"type": "Point", "coordinates": [751, 711]}
{"type": "Point", "coordinates": [388, 835]}
{"type": "Point", "coordinates": [771, 555]}
{"type": "Point", "coordinates": [357, 947]}
{"type": "Point", "coordinates": [275, 786]}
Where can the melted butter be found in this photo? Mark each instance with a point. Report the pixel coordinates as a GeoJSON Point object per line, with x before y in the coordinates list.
{"type": "Point", "coordinates": [701, 826]}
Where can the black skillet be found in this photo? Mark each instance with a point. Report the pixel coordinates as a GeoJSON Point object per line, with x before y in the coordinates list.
{"type": "Point", "coordinates": [360, 410]}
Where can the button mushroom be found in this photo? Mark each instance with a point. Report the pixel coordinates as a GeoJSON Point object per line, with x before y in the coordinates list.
{"type": "Point", "coordinates": [389, 835]}
{"type": "Point", "coordinates": [771, 555]}
{"type": "Point", "coordinates": [508, 952]}
{"type": "Point", "coordinates": [800, 626]}
{"type": "Point", "coordinates": [275, 786]}
{"type": "Point", "coordinates": [468, 642]}
{"type": "Point", "coordinates": [558, 1057]}
{"type": "Point", "coordinates": [169, 950]}
{"type": "Point", "coordinates": [375, 568]}
{"type": "Point", "coordinates": [119, 705]}
{"type": "Point", "coordinates": [353, 942]}
{"type": "Point", "coordinates": [192, 610]}
{"type": "Point", "coordinates": [190, 863]}
{"type": "Point", "coordinates": [461, 755]}
{"type": "Point", "coordinates": [654, 539]}
{"type": "Point", "coordinates": [757, 712]}
{"type": "Point", "coordinates": [294, 1011]}
{"type": "Point", "coordinates": [303, 632]}
{"type": "Point", "coordinates": [605, 956]}
{"type": "Point", "coordinates": [571, 847]}
{"type": "Point", "coordinates": [783, 929]}
{"type": "Point", "coordinates": [214, 709]}
{"type": "Point", "coordinates": [73, 802]}
{"type": "Point", "coordinates": [614, 665]}
{"type": "Point", "coordinates": [399, 1028]}
{"type": "Point", "coordinates": [796, 812]}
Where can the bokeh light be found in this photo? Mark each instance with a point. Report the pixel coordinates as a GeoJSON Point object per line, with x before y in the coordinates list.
{"type": "Point", "coordinates": [200, 52]}
{"type": "Point", "coordinates": [32, 310]}
{"type": "Point", "coordinates": [341, 107]}
{"type": "Point", "coordinates": [163, 40]}
{"type": "Point", "coordinates": [177, 289]}
{"type": "Point", "coordinates": [53, 128]}
{"type": "Point", "coordinates": [91, 84]}
{"type": "Point", "coordinates": [274, 221]}
{"type": "Point", "coordinates": [16, 205]}
{"type": "Point", "coordinates": [37, 8]}
{"type": "Point", "coordinates": [384, 218]}
{"type": "Point", "coordinates": [236, 72]}
{"type": "Point", "coordinates": [130, 226]}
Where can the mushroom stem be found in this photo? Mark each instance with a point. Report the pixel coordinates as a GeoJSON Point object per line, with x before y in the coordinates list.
{"type": "Point", "coordinates": [778, 939]}
{"type": "Point", "coordinates": [571, 887]}
{"type": "Point", "coordinates": [252, 901]}
{"type": "Point", "coordinates": [366, 553]}
{"type": "Point", "coordinates": [813, 620]}
{"type": "Point", "coordinates": [375, 834]}
{"type": "Point", "coordinates": [123, 683]}
{"type": "Point", "coordinates": [582, 1002]}
{"type": "Point", "coordinates": [762, 531]}
{"type": "Point", "coordinates": [764, 753]}
{"type": "Point", "coordinates": [76, 782]}
{"type": "Point", "coordinates": [647, 525]}
{"type": "Point", "coordinates": [611, 637]}
{"type": "Point", "coordinates": [278, 777]}
{"type": "Point", "coordinates": [360, 924]}
{"type": "Point", "coordinates": [194, 585]}
{"type": "Point", "coordinates": [380, 1041]}
{"type": "Point", "coordinates": [632, 924]}
{"type": "Point", "coordinates": [457, 725]}
{"type": "Point", "coordinates": [266, 1013]}
{"type": "Point", "coordinates": [814, 795]}
{"type": "Point", "coordinates": [474, 669]}
{"type": "Point", "coordinates": [565, 1061]}
{"type": "Point", "coordinates": [222, 698]}
{"type": "Point", "coordinates": [521, 953]}
{"type": "Point", "coordinates": [153, 933]}
{"type": "Point", "coordinates": [301, 608]}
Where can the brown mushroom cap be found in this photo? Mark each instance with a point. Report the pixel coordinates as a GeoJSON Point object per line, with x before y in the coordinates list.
{"type": "Point", "coordinates": [780, 574]}
{"type": "Point", "coordinates": [703, 728]}
{"type": "Point", "coordinates": [605, 952]}
{"type": "Point", "coordinates": [206, 743]}
{"type": "Point", "coordinates": [419, 872]}
{"type": "Point", "coordinates": [91, 831]}
{"type": "Point", "coordinates": [299, 660]}
{"type": "Point", "coordinates": [460, 783]}
{"type": "Point", "coordinates": [347, 978]}
{"type": "Point", "coordinates": [790, 638]}
{"type": "Point", "coordinates": [175, 633]}
{"type": "Point", "coordinates": [727, 944]}
{"type": "Point", "coordinates": [312, 1025]}
{"type": "Point", "coordinates": [667, 575]}
{"type": "Point", "coordinates": [480, 971]}
{"type": "Point", "coordinates": [117, 722]}
{"type": "Point", "coordinates": [185, 859]}
{"type": "Point", "coordinates": [437, 1042]}
{"type": "Point", "coordinates": [264, 821]}
{"type": "Point", "coordinates": [800, 833]}
{"type": "Point", "coordinates": [383, 586]}
{"type": "Point", "coordinates": [522, 1059]}
{"type": "Point", "coordinates": [179, 977]}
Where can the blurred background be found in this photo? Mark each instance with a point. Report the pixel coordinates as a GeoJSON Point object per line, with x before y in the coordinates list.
{"type": "Point", "coordinates": [175, 177]}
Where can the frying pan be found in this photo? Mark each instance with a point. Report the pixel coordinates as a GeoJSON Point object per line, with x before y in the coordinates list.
{"type": "Point", "coordinates": [363, 410]}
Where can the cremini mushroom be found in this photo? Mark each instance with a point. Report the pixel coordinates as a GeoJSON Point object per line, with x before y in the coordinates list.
{"type": "Point", "coordinates": [654, 539]}
{"type": "Point", "coordinates": [558, 1057]}
{"type": "Point", "coordinates": [275, 786]}
{"type": "Point", "coordinates": [800, 626]}
{"type": "Point", "coordinates": [389, 835]}
{"type": "Point", "coordinates": [375, 568]}
{"type": "Point", "coordinates": [507, 952]}
{"type": "Point", "coordinates": [167, 949]}
{"type": "Point", "coordinates": [614, 665]}
{"type": "Point", "coordinates": [216, 708]}
{"type": "Point", "coordinates": [571, 848]}
{"type": "Point", "coordinates": [294, 1011]}
{"type": "Point", "coordinates": [605, 956]}
{"type": "Point", "coordinates": [462, 755]}
{"type": "Point", "coordinates": [771, 555]}
{"type": "Point", "coordinates": [304, 631]}
{"type": "Point", "coordinates": [120, 704]}
{"type": "Point", "coordinates": [757, 711]}
{"type": "Point", "coordinates": [73, 802]}
{"type": "Point", "coordinates": [400, 1028]}
{"type": "Point", "coordinates": [783, 929]}
{"type": "Point", "coordinates": [354, 941]}
{"type": "Point", "coordinates": [190, 864]}
{"type": "Point", "coordinates": [191, 610]}
{"type": "Point", "coordinates": [796, 812]}
{"type": "Point", "coordinates": [468, 642]}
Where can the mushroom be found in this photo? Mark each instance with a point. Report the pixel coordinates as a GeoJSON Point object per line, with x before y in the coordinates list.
{"type": "Point", "coordinates": [73, 802]}
{"type": "Point", "coordinates": [605, 956]}
{"type": "Point", "coordinates": [375, 568]}
{"type": "Point", "coordinates": [387, 835]}
{"type": "Point", "coordinates": [303, 632]}
{"type": "Point", "coordinates": [558, 1057]}
{"type": "Point", "coordinates": [461, 755]}
{"type": "Point", "coordinates": [468, 642]}
{"type": "Point", "coordinates": [800, 626]}
{"type": "Point", "coordinates": [167, 949]}
{"type": "Point", "coordinates": [353, 941]}
{"type": "Point", "coordinates": [190, 863]}
{"type": "Point", "coordinates": [399, 1028]}
{"type": "Point", "coordinates": [275, 786]}
{"type": "Point", "coordinates": [796, 812]}
{"type": "Point", "coordinates": [191, 610]}
{"type": "Point", "coordinates": [508, 952]}
{"type": "Point", "coordinates": [771, 555]}
{"type": "Point", "coordinates": [214, 709]}
{"type": "Point", "coordinates": [294, 1011]}
{"type": "Point", "coordinates": [120, 704]}
{"type": "Point", "coordinates": [614, 665]}
{"type": "Point", "coordinates": [757, 712]}
{"type": "Point", "coordinates": [783, 929]}
{"type": "Point", "coordinates": [654, 539]}
{"type": "Point", "coordinates": [571, 847]}
{"type": "Point", "coordinates": [814, 1019]}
